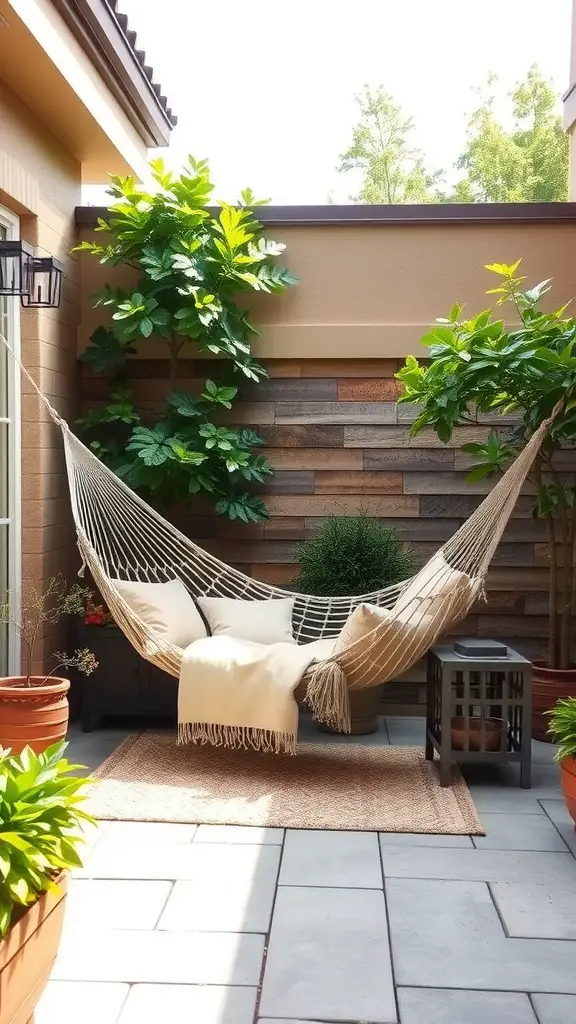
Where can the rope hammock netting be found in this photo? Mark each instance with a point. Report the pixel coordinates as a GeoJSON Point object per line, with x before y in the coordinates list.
{"type": "Point", "coordinates": [120, 537]}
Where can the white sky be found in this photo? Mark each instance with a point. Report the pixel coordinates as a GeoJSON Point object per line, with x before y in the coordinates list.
{"type": "Point", "coordinates": [265, 90]}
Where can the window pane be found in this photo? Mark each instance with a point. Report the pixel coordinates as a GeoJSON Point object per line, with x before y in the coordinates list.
{"type": "Point", "coordinates": [3, 471]}
{"type": "Point", "coordinates": [4, 300]}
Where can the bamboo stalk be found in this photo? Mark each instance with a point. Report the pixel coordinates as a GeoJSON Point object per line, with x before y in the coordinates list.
{"type": "Point", "coordinates": [567, 583]}
{"type": "Point", "coordinates": [565, 608]}
{"type": "Point", "coordinates": [553, 594]}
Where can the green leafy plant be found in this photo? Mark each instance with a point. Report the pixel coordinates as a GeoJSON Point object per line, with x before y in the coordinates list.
{"type": "Point", "coordinates": [41, 608]}
{"type": "Point", "coordinates": [192, 267]}
{"type": "Point", "coordinates": [478, 365]}
{"type": "Point", "coordinates": [352, 555]}
{"type": "Point", "coordinates": [41, 823]}
{"type": "Point", "coordinates": [563, 727]}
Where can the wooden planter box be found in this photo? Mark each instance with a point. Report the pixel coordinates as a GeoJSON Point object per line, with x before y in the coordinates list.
{"type": "Point", "coordinates": [27, 955]}
{"type": "Point", "coordinates": [123, 685]}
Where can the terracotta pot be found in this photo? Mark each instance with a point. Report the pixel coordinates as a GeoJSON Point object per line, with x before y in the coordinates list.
{"type": "Point", "coordinates": [364, 708]}
{"type": "Point", "coordinates": [476, 733]}
{"type": "Point", "coordinates": [548, 686]}
{"type": "Point", "coordinates": [36, 715]}
{"type": "Point", "coordinates": [27, 955]}
{"type": "Point", "coordinates": [568, 766]}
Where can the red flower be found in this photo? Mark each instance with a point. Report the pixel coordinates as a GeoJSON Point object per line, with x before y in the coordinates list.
{"type": "Point", "coordinates": [94, 618]}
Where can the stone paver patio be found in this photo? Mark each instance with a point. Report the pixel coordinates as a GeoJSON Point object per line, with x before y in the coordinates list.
{"type": "Point", "coordinates": [235, 925]}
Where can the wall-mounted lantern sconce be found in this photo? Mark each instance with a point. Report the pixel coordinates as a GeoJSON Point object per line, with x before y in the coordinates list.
{"type": "Point", "coordinates": [45, 283]}
{"type": "Point", "coordinates": [15, 264]}
{"type": "Point", "coordinates": [36, 279]}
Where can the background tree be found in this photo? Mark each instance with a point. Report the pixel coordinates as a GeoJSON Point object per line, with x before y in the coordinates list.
{"type": "Point", "coordinates": [392, 170]}
{"type": "Point", "coordinates": [525, 163]}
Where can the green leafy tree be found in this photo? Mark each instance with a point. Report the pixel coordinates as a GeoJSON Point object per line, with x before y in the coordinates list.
{"type": "Point", "coordinates": [477, 364]}
{"type": "Point", "coordinates": [192, 267]}
{"type": "Point", "coordinates": [525, 163]}
{"type": "Point", "coordinates": [392, 170]}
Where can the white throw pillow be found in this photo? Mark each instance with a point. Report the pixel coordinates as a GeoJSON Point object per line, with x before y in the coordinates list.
{"type": "Point", "coordinates": [166, 607]}
{"type": "Point", "coordinates": [437, 589]}
{"type": "Point", "coordinates": [359, 623]}
{"type": "Point", "coordinates": [264, 622]}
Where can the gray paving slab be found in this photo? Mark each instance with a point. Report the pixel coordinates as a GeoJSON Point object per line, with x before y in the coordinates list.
{"type": "Point", "coordinates": [406, 732]}
{"type": "Point", "coordinates": [493, 800]}
{"type": "Point", "coordinates": [555, 1009]}
{"type": "Point", "coordinates": [308, 732]}
{"type": "Point", "coordinates": [137, 833]}
{"type": "Point", "coordinates": [543, 753]}
{"type": "Point", "coordinates": [233, 903]}
{"type": "Point", "coordinates": [72, 1002]}
{"type": "Point", "coordinates": [329, 957]}
{"type": "Point", "coordinates": [320, 857]}
{"type": "Point", "coordinates": [451, 931]}
{"type": "Point", "coordinates": [519, 832]}
{"type": "Point", "coordinates": [424, 839]}
{"type": "Point", "coordinates": [160, 957]}
{"type": "Point", "coordinates": [210, 1004]}
{"type": "Point", "coordinates": [446, 1006]}
{"type": "Point", "coordinates": [545, 911]}
{"type": "Point", "coordinates": [176, 861]}
{"type": "Point", "coordinates": [92, 748]}
{"type": "Point", "coordinates": [113, 903]}
{"type": "Point", "coordinates": [250, 834]}
{"type": "Point", "coordinates": [480, 865]}
{"type": "Point", "coordinates": [556, 811]}
{"type": "Point", "coordinates": [493, 778]}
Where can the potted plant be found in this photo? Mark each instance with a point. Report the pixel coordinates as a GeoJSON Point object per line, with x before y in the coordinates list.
{"type": "Point", "coordinates": [478, 365]}
{"type": "Point", "coordinates": [34, 708]}
{"type": "Point", "coordinates": [563, 732]}
{"type": "Point", "coordinates": [41, 833]}
{"type": "Point", "coordinates": [353, 555]}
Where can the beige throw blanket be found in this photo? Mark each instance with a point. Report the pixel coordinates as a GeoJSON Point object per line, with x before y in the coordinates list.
{"type": "Point", "coordinates": [241, 694]}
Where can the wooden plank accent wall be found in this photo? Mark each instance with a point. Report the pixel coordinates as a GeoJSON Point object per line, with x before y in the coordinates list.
{"type": "Point", "coordinates": [340, 445]}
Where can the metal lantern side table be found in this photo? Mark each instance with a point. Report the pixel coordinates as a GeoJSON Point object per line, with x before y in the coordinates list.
{"type": "Point", "coordinates": [479, 707]}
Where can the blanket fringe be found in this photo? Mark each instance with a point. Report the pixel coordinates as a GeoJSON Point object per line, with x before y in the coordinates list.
{"type": "Point", "coordinates": [328, 697]}
{"type": "Point", "coordinates": [237, 737]}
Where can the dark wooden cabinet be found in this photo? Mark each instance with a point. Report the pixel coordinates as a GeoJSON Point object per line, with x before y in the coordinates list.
{"type": "Point", "coordinates": [123, 685]}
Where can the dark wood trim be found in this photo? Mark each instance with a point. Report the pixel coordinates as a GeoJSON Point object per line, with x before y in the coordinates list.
{"type": "Point", "coordinates": [95, 27]}
{"type": "Point", "coordinates": [437, 213]}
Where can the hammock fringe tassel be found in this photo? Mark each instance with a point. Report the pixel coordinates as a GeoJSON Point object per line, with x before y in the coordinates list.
{"type": "Point", "coordinates": [328, 697]}
{"type": "Point", "coordinates": [237, 737]}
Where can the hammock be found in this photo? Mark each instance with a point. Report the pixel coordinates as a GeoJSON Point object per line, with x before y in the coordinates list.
{"type": "Point", "coordinates": [121, 537]}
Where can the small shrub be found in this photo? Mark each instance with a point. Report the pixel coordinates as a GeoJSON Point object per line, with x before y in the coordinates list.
{"type": "Point", "coordinates": [45, 608]}
{"type": "Point", "coordinates": [41, 825]}
{"type": "Point", "coordinates": [352, 555]}
{"type": "Point", "coordinates": [563, 727]}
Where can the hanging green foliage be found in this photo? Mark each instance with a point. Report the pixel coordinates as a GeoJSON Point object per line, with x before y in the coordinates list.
{"type": "Point", "coordinates": [193, 266]}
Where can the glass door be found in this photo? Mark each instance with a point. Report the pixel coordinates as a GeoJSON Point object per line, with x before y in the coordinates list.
{"type": "Point", "coordinates": [9, 461]}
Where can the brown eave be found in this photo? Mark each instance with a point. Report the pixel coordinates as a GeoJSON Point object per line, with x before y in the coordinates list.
{"type": "Point", "coordinates": [433, 213]}
{"type": "Point", "coordinates": [104, 34]}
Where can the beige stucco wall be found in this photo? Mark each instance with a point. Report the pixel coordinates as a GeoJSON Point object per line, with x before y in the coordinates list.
{"type": "Point", "coordinates": [371, 291]}
{"type": "Point", "coordinates": [46, 66]}
{"type": "Point", "coordinates": [40, 181]}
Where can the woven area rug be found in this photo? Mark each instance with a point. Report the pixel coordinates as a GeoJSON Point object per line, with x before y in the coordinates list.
{"type": "Point", "coordinates": [344, 786]}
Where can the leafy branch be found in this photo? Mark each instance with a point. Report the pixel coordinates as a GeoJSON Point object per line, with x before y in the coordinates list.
{"type": "Point", "coordinates": [193, 268]}
{"type": "Point", "coordinates": [479, 365]}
